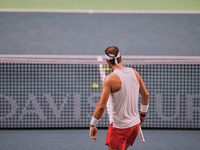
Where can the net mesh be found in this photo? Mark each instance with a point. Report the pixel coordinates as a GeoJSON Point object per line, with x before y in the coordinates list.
{"type": "Point", "coordinates": [48, 95]}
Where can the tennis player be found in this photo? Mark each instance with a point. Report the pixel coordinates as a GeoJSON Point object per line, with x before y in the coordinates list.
{"type": "Point", "coordinates": [123, 86]}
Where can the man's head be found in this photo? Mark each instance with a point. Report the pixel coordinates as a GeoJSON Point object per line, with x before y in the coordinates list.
{"type": "Point", "coordinates": [113, 54]}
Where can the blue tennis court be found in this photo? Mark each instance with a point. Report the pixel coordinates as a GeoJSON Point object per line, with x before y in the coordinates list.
{"type": "Point", "coordinates": [79, 139]}
{"type": "Point", "coordinates": [47, 103]}
{"type": "Point", "coordinates": [89, 34]}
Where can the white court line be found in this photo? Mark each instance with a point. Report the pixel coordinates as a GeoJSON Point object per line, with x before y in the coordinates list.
{"type": "Point", "coordinates": [104, 11]}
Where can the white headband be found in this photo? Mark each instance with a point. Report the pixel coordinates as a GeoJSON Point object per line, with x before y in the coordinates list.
{"type": "Point", "coordinates": [112, 56]}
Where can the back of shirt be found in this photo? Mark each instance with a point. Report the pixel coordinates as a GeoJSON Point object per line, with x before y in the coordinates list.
{"type": "Point", "coordinates": [124, 103]}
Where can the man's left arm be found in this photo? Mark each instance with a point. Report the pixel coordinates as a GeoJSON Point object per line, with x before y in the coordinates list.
{"type": "Point", "coordinates": [100, 107]}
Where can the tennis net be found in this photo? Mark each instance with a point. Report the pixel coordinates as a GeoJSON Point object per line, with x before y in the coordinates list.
{"type": "Point", "coordinates": [62, 92]}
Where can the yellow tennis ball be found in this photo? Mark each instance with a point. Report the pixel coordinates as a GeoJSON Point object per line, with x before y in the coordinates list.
{"type": "Point", "coordinates": [95, 85]}
{"type": "Point", "coordinates": [106, 68]}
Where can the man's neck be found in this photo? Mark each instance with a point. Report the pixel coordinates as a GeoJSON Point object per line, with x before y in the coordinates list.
{"type": "Point", "coordinates": [119, 66]}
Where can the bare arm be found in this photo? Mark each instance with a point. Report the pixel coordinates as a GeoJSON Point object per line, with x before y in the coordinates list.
{"type": "Point", "coordinates": [101, 106]}
{"type": "Point", "coordinates": [144, 94]}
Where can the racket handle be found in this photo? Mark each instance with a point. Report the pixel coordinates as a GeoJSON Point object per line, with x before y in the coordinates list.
{"type": "Point", "coordinates": [94, 138]}
{"type": "Point", "coordinates": [141, 135]}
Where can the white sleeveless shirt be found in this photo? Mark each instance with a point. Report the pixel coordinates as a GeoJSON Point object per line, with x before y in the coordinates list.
{"type": "Point", "coordinates": [122, 106]}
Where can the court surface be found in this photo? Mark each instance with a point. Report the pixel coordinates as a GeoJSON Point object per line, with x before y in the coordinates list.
{"type": "Point", "coordinates": [90, 34]}
{"type": "Point", "coordinates": [144, 33]}
{"type": "Point", "coordinates": [79, 140]}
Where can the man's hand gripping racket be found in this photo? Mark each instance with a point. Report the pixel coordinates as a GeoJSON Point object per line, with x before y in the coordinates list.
{"type": "Point", "coordinates": [93, 132]}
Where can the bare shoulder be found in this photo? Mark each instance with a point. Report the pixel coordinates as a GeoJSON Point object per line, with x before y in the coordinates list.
{"type": "Point", "coordinates": [135, 71]}
{"type": "Point", "coordinates": [113, 81]}
{"type": "Point", "coordinates": [111, 77]}
{"type": "Point", "coordinates": [137, 75]}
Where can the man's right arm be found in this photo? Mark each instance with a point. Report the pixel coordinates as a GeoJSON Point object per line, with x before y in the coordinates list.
{"type": "Point", "coordinates": [144, 95]}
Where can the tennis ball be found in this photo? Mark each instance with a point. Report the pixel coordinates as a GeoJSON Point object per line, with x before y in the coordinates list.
{"type": "Point", "coordinates": [95, 85]}
{"type": "Point", "coordinates": [106, 68]}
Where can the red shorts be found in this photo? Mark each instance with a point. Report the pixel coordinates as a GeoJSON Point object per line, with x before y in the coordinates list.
{"type": "Point", "coordinates": [118, 138]}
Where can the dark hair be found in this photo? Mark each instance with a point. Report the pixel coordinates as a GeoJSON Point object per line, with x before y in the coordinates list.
{"type": "Point", "coordinates": [113, 50]}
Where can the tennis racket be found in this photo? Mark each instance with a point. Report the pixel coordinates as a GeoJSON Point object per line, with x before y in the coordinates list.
{"type": "Point", "coordinates": [141, 135]}
{"type": "Point", "coordinates": [94, 138]}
